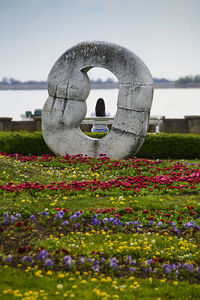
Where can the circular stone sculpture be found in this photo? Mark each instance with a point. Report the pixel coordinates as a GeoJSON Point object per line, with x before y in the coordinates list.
{"type": "Point", "coordinates": [69, 87]}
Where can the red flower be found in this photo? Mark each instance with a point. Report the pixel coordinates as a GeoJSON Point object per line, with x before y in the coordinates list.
{"type": "Point", "coordinates": [167, 215]}
{"type": "Point", "coordinates": [190, 207]}
{"type": "Point", "coordinates": [21, 250]}
{"type": "Point", "coordinates": [192, 213]}
{"type": "Point", "coordinates": [57, 208]}
{"type": "Point", "coordinates": [116, 215]}
{"type": "Point", "coordinates": [150, 218]}
{"type": "Point", "coordinates": [145, 212]}
{"type": "Point", "coordinates": [18, 224]}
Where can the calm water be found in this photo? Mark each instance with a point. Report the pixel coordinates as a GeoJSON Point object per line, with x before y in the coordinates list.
{"type": "Point", "coordinates": [172, 103]}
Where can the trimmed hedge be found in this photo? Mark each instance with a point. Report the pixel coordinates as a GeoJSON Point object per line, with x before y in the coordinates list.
{"type": "Point", "coordinates": [161, 145]}
{"type": "Point", "coordinates": [23, 142]}
{"type": "Point", "coordinates": [164, 145]}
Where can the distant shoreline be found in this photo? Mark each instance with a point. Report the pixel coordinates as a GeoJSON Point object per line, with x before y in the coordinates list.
{"type": "Point", "coordinates": [102, 85]}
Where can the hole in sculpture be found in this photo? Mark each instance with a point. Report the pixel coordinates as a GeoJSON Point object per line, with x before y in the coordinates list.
{"type": "Point", "coordinates": [103, 84]}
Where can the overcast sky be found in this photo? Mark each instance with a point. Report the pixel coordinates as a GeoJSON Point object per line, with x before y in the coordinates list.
{"type": "Point", "coordinates": [165, 34]}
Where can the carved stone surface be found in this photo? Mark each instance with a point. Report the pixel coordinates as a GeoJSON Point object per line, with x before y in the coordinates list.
{"type": "Point", "coordinates": [68, 88]}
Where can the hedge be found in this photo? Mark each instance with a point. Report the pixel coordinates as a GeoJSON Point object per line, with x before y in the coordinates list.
{"type": "Point", "coordinates": [23, 142]}
{"type": "Point", "coordinates": [156, 146]}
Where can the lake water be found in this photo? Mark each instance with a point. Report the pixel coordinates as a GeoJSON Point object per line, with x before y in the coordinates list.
{"type": "Point", "coordinates": [172, 103]}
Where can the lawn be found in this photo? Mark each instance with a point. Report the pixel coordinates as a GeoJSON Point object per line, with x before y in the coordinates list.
{"type": "Point", "coordinates": [75, 227]}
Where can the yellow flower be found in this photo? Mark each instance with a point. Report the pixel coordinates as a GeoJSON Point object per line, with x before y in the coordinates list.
{"type": "Point", "coordinates": [38, 273]}
{"type": "Point", "coordinates": [85, 273]}
{"type": "Point", "coordinates": [61, 275]}
{"type": "Point", "coordinates": [65, 294]}
{"type": "Point", "coordinates": [131, 278]}
{"type": "Point", "coordinates": [49, 272]}
{"type": "Point", "coordinates": [7, 291]}
{"type": "Point", "coordinates": [83, 281]}
{"type": "Point", "coordinates": [93, 279]}
{"type": "Point", "coordinates": [175, 282]}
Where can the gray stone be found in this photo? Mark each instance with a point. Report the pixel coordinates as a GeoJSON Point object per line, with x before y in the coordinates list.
{"type": "Point", "coordinates": [68, 88]}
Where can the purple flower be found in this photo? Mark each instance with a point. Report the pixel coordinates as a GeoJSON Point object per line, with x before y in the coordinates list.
{"type": "Point", "coordinates": [5, 215]}
{"type": "Point", "coordinates": [76, 215]}
{"type": "Point", "coordinates": [42, 255]}
{"type": "Point", "coordinates": [168, 268]}
{"type": "Point", "coordinates": [48, 263]}
{"type": "Point", "coordinates": [159, 224]}
{"type": "Point", "coordinates": [8, 258]}
{"type": "Point", "coordinates": [96, 222]}
{"type": "Point", "coordinates": [189, 225]}
{"type": "Point", "coordinates": [68, 261]}
{"type": "Point", "coordinates": [150, 223]}
{"type": "Point", "coordinates": [60, 214]}
{"type": "Point", "coordinates": [189, 267]}
{"type": "Point", "coordinates": [114, 263]}
{"type": "Point", "coordinates": [95, 267]}
{"type": "Point", "coordinates": [44, 213]}
{"type": "Point", "coordinates": [82, 259]}
{"type": "Point", "coordinates": [149, 261]}
{"type": "Point", "coordinates": [132, 270]}
{"type": "Point", "coordinates": [13, 218]}
{"type": "Point", "coordinates": [27, 258]}
{"type": "Point", "coordinates": [76, 225]}
{"type": "Point", "coordinates": [117, 222]}
{"type": "Point", "coordinates": [5, 222]}
{"type": "Point", "coordinates": [148, 270]}
{"type": "Point", "coordinates": [65, 223]}
{"type": "Point", "coordinates": [32, 217]}
{"type": "Point", "coordinates": [102, 260]}
{"type": "Point", "coordinates": [18, 215]}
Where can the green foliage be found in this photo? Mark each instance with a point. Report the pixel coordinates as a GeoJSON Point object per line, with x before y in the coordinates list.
{"type": "Point", "coordinates": [161, 146]}
{"type": "Point", "coordinates": [96, 135]}
{"type": "Point", "coordinates": [23, 142]}
{"type": "Point", "coordinates": [166, 146]}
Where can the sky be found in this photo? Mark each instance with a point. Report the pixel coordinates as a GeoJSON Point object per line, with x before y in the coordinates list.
{"type": "Point", "coordinates": [165, 34]}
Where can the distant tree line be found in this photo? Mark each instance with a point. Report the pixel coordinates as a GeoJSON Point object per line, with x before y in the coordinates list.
{"type": "Point", "coordinates": [12, 81]}
{"type": "Point", "coordinates": [182, 80]}
{"type": "Point", "coordinates": [189, 79]}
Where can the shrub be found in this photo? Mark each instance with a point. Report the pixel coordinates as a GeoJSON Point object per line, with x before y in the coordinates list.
{"type": "Point", "coordinates": [164, 145]}
{"type": "Point", "coordinates": [23, 142]}
{"type": "Point", "coordinates": [161, 145]}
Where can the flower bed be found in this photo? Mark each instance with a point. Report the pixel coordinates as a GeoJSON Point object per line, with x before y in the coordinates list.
{"type": "Point", "coordinates": [99, 228]}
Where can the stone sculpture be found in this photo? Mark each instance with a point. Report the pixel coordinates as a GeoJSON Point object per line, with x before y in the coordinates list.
{"type": "Point", "coordinates": [68, 88]}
